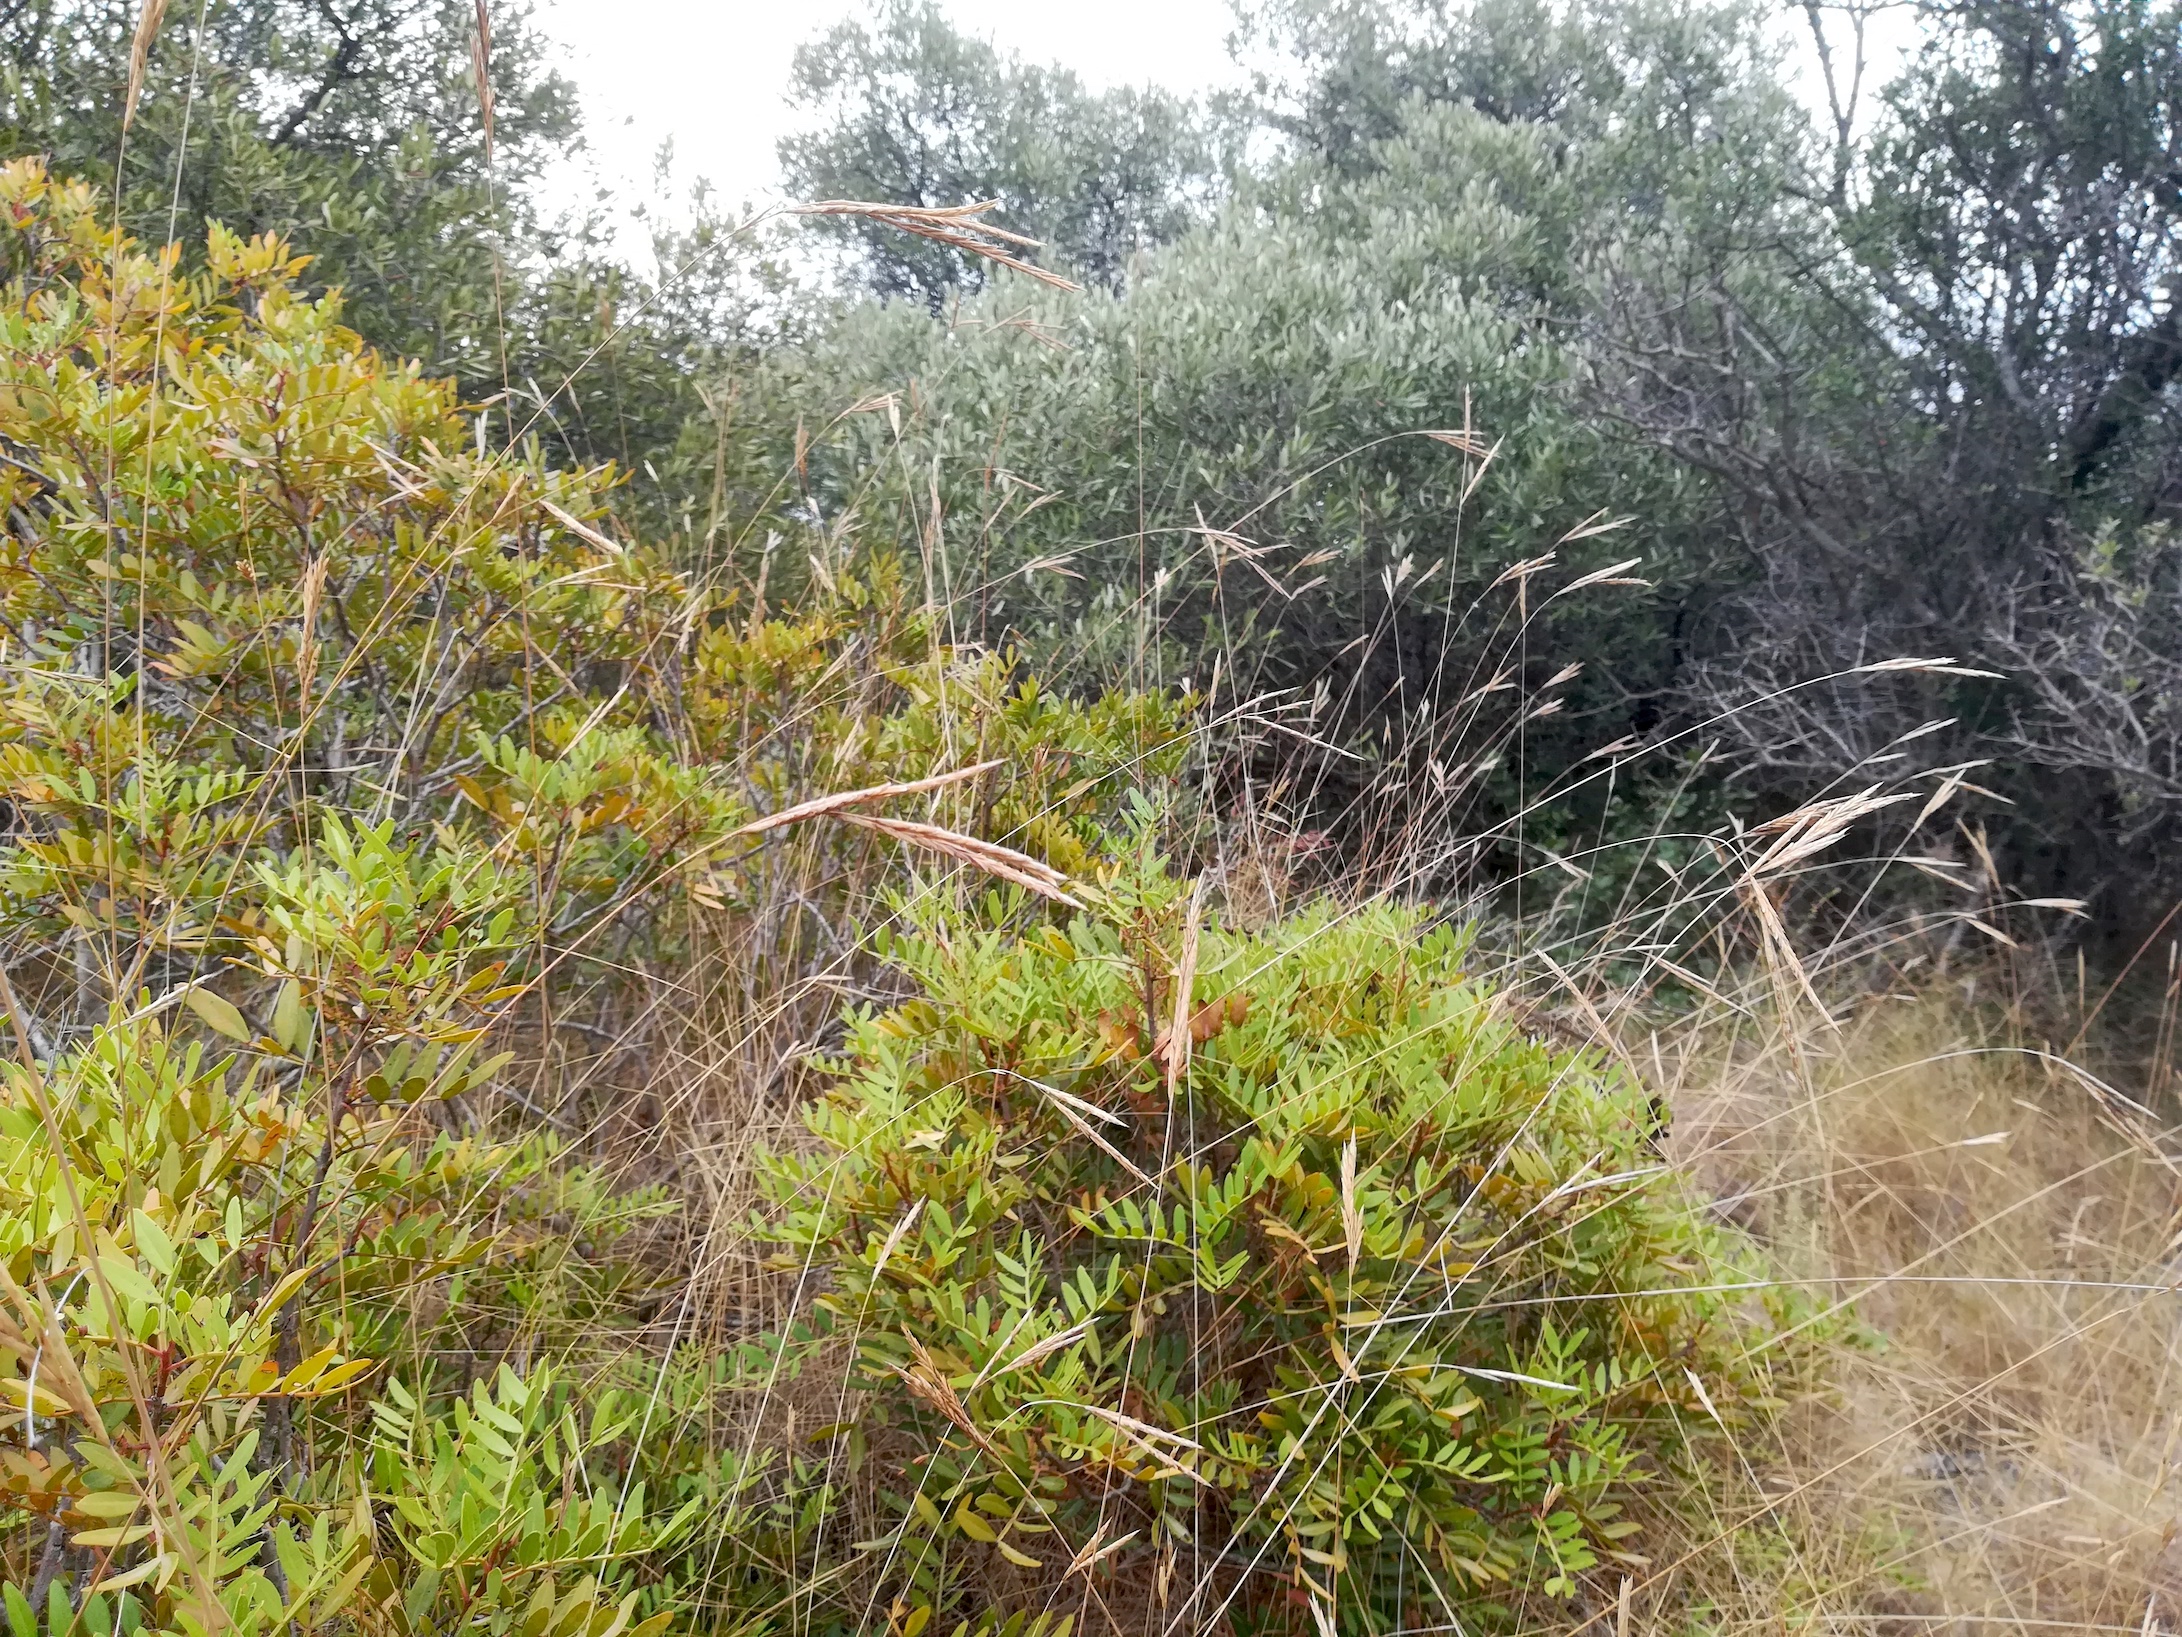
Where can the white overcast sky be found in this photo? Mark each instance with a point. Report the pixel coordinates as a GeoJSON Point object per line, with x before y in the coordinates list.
{"type": "Point", "coordinates": [709, 74]}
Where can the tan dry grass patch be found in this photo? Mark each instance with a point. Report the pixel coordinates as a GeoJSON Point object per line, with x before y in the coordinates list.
{"type": "Point", "coordinates": [1999, 1451]}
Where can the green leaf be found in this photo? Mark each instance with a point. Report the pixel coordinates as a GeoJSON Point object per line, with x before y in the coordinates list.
{"type": "Point", "coordinates": [219, 1013]}
{"type": "Point", "coordinates": [127, 1281]}
{"type": "Point", "coordinates": [153, 1244]}
{"type": "Point", "coordinates": [289, 1017]}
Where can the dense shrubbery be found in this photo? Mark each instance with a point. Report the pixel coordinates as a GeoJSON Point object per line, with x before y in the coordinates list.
{"type": "Point", "coordinates": [353, 767]}
{"type": "Point", "coordinates": [401, 984]}
{"type": "Point", "coordinates": [1892, 380]}
{"type": "Point", "coordinates": [390, 963]}
{"type": "Point", "coordinates": [1318, 1285]}
{"type": "Point", "coordinates": [341, 754]}
{"type": "Point", "coordinates": [1896, 379]}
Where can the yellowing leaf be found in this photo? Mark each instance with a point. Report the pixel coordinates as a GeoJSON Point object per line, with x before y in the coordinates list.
{"type": "Point", "coordinates": [41, 1402]}
{"type": "Point", "coordinates": [342, 1374]}
{"type": "Point", "coordinates": [219, 1013]}
{"type": "Point", "coordinates": [107, 1503]}
{"type": "Point", "coordinates": [290, 1283]}
{"type": "Point", "coordinates": [309, 1370]}
{"type": "Point", "coordinates": [111, 1537]}
{"type": "Point", "coordinates": [143, 1571]}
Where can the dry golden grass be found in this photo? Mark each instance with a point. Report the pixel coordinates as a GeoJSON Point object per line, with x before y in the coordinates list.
{"type": "Point", "coordinates": [1997, 1449]}
{"type": "Point", "coordinates": [1994, 1446]}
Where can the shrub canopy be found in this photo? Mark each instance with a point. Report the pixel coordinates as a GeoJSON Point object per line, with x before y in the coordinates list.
{"type": "Point", "coordinates": [1364, 1300]}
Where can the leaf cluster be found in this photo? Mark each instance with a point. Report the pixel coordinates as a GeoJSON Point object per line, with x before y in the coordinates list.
{"type": "Point", "coordinates": [1363, 1301]}
{"type": "Point", "coordinates": [344, 755]}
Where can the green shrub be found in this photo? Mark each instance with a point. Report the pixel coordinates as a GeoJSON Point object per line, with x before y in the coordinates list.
{"type": "Point", "coordinates": [343, 754]}
{"type": "Point", "coordinates": [1373, 1305]}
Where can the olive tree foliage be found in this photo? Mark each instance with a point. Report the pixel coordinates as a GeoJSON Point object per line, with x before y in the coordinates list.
{"type": "Point", "coordinates": [906, 109]}
{"type": "Point", "coordinates": [1227, 473]}
{"type": "Point", "coordinates": [1338, 76]}
{"type": "Point", "coordinates": [1900, 380]}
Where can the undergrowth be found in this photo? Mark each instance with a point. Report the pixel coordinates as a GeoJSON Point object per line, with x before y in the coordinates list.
{"type": "Point", "coordinates": [554, 1093]}
{"type": "Point", "coordinates": [1268, 1282]}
